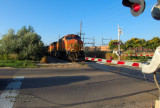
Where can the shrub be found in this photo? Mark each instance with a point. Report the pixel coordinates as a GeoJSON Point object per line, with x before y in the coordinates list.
{"type": "Point", "coordinates": [26, 44]}
{"type": "Point", "coordinates": [129, 52]}
{"type": "Point", "coordinates": [108, 55]}
{"type": "Point", "coordinates": [44, 60]}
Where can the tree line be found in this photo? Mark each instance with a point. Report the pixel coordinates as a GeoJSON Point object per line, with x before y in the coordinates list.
{"type": "Point", "coordinates": [135, 43]}
{"type": "Point", "coordinates": [26, 44]}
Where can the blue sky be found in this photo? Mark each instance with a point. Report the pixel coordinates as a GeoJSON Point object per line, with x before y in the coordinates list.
{"type": "Point", "coordinates": [51, 18]}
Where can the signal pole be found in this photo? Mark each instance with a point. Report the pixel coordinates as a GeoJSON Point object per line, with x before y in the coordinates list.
{"type": "Point", "coordinates": [119, 46]}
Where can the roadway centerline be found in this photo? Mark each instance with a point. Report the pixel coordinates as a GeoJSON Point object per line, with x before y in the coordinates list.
{"type": "Point", "coordinates": [8, 97]}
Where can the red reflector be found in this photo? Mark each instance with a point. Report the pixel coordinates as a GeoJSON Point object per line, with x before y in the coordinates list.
{"type": "Point", "coordinates": [135, 64]}
{"type": "Point", "coordinates": [99, 60]}
{"type": "Point", "coordinates": [120, 62]}
{"type": "Point", "coordinates": [147, 55]}
{"type": "Point", "coordinates": [87, 58]}
{"type": "Point", "coordinates": [109, 61]}
{"type": "Point", "coordinates": [92, 59]}
{"type": "Point", "coordinates": [136, 7]}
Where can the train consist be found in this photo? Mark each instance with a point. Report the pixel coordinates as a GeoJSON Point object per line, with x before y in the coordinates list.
{"type": "Point", "coordinates": [69, 47]}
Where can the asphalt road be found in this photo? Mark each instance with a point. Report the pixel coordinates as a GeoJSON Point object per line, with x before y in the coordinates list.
{"type": "Point", "coordinates": [95, 86]}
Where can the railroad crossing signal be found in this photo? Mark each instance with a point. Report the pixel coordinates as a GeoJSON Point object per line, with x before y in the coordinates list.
{"type": "Point", "coordinates": [137, 6]}
{"type": "Point", "coordinates": [116, 43]}
{"type": "Point", "coordinates": [155, 12]}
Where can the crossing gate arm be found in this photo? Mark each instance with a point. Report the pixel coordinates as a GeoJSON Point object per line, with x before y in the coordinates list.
{"type": "Point", "coordinates": [114, 62]}
{"type": "Point", "coordinates": [154, 65]}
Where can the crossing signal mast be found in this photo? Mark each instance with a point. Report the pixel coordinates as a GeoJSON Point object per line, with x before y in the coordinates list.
{"type": "Point", "coordinates": [138, 6]}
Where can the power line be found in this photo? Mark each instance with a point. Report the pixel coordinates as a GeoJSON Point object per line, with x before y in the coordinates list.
{"type": "Point", "coordinates": [91, 43]}
{"type": "Point", "coordinates": [105, 39]}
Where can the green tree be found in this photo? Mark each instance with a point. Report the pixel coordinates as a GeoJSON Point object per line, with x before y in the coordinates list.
{"type": "Point", "coordinates": [135, 43]}
{"type": "Point", "coordinates": [26, 44]}
{"type": "Point", "coordinates": [153, 43]}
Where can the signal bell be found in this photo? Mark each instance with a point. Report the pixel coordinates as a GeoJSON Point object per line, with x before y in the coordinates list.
{"type": "Point", "coordinates": [137, 6]}
{"type": "Point", "coordinates": [155, 12]}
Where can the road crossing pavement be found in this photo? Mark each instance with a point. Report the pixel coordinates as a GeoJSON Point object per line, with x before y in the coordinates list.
{"type": "Point", "coordinates": [76, 87]}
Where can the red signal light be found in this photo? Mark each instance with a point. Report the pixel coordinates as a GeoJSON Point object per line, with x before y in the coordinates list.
{"type": "Point", "coordinates": [116, 43]}
{"type": "Point", "coordinates": [136, 7]}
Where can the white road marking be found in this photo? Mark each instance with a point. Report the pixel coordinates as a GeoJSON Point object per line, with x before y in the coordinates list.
{"type": "Point", "coordinates": [8, 97]}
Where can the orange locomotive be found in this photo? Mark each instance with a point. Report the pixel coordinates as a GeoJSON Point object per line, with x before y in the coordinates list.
{"type": "Point", "coordinates": [69, 47]}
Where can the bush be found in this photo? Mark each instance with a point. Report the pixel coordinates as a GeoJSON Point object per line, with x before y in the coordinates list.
{"type": "Point", "coordinates": [129, 52]}
{"type": "Point", "coordinates": [108, 55]}
{"type": "Point", "coordinates": [44, 60]}
{"type": "Point", "coordinates": [26, 44]}
{"type": "Point", "coordinates": [115, 57]}
{"type": "Point", "coordinates": [98, 54]}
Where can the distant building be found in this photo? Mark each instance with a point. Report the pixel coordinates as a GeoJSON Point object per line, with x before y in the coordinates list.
{"type": "Point", "coordinates": [98, 48]}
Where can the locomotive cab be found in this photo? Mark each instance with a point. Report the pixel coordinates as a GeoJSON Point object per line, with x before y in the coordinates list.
{"type": "Point", "coordinates": [68, 47]}
{"type": "Point", "coordinates": [74, 43]}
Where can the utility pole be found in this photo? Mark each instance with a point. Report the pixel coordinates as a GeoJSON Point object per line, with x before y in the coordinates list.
{"type": "Point", "coordinates": [81, 29]}
{"type": "Point", "coordinates": [102, 40]}
{"type": "Point", "coordinates": [59, 36]}
{"type": "Point", "coordinates": [93, 42]}
{"type": "Point", "coordinates": [80, 33]}
{"type": "Point", "coordinates": [119, 46]}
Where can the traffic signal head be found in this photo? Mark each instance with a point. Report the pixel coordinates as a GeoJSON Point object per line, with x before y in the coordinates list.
{"type": "Point", "coordinates": [116, 43]}
{"type": "Point", "coordinates": [137, 6]}
{"type": "Point", "coordinates": [156, 11]}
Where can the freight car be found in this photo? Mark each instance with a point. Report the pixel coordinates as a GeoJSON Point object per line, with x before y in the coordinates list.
{"type": "Point", "coordinates": [69, 47]}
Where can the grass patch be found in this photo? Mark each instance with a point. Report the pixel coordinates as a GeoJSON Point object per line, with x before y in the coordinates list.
{"type": "Point", "coordinates": [17, 64]}
{"type": "Point", "coordinates": [83, 64]}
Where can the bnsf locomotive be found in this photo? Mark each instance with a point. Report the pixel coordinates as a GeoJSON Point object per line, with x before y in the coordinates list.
{"type": "Point", "coordinates": [69, 47]}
